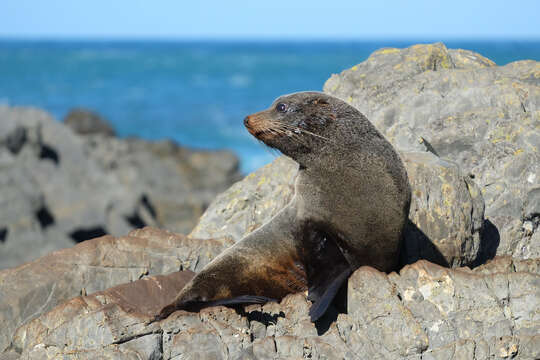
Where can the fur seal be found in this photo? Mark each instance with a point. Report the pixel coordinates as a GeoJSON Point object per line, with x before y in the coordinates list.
{"type": "Point", "coordinates": [351, 202]}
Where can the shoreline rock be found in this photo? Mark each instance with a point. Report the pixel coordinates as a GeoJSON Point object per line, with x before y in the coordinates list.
{"type": "Point", "coordinates": [59, 188]}
{"type": "Point", "coordinates": [425, 311]}
{"type": "Point", "coordinates": [34, 288]}
{"type": "Point", "coordinates": [85, 122]}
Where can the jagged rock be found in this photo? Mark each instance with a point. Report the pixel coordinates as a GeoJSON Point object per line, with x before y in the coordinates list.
{"type": "Point", "coordinates": [249, 203]}
{"type": "Point", "coordinates": [464, 108]}
{"type": "Point", "coordinates": [85, 122]}
{"type": "Point", "coordinates": [24, 218]}
{"type": "Point", "coordinates": [70, 195]}
{"type": "Point", "coordinates": [59, 188]}
{"type": "Point", "coordinates": [119, 308]}
{"type": "Point", "coordinates": [178, 183]}
{"type": "Point", "coordinates": [31, 289]}
{"type": "Point", "coordinates": [426, 311]}
{"type": "Point", "coordinates": [446, 215]}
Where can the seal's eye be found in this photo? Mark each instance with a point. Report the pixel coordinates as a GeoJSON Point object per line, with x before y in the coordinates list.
{"type": "Point", "coordinates": [281, 107]}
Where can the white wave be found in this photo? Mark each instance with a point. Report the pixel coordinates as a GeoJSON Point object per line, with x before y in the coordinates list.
{"type": "Point", "coordinates": [239, 80]}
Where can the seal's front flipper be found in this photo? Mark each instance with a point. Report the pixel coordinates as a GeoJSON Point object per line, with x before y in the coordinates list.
{"type": "Point", "coordinates": [321, 303]}
{"type": "Point", "coordinates": [327, 269]}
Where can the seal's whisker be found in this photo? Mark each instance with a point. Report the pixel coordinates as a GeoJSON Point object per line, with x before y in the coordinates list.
{"type": "Point", "coordinates": [296, 131]}
{"type": "Point", "coordinates": [293, 128]}
{"type": "Point", "coordinates": [291, 134]}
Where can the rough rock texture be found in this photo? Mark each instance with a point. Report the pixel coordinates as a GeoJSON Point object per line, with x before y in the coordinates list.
{"type": "Point", "coordinates": [178, 184]}
{"type": "Point", "coordinates": [446, 215]}
{"type": "Point", "coordinates": [116, 314]}
{"type": "Point", "coordinates": [249, 203]}
{"type": "Point", "coordinates": [31, 289]}
{"type": "Point", "coordinates": [84, 122]}
{"type": "Point", "coordinates": [425, 312]}
{"type": "Point", "coordinates": [461, 106]}
{"type": "Point", "coordinates": [58, 188]}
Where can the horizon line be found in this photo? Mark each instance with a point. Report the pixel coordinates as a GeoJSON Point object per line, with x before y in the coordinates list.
{"type": "Point", "coordinates": [172, 38]}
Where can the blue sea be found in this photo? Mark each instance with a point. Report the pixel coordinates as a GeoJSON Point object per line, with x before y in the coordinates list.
{"type": "Point", "coordinates": [194, 92]}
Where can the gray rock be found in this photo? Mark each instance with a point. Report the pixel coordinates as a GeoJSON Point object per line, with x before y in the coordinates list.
{"type": "Point", "coordinates": [59, 188]}
{"type": "Point", "coordinates": [31, 289]}
{"type": "Point", "coordinates": [446, 214]}
{"type": "Point", "coordinates": [178, 183]}
{"type": "Point", "coordinates": [249, 203]}
{"type": "Point", "coordinates": [122, 307]}
{"type": "Point", "coordinates": [85, 122]}
{"type": "Point", "coordinates": [464, 108]}
{"type": "Point", "coordinates": [425, 312]}
{"type": "Point", "coordinates": [24, 218]}
{"type": "Point", "coordinates": [73, 200]}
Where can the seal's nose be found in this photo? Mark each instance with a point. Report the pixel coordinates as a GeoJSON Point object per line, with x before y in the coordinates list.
{"type": "Point", "coordinates": [246, 121]}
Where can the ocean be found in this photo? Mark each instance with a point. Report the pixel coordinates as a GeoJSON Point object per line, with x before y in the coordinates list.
{"type": "Point", "coordinates": [194, 92]}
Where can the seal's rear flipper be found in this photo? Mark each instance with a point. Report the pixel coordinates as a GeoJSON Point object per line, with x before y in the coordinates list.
{"type": "Point", "coordinates": [244, 299]}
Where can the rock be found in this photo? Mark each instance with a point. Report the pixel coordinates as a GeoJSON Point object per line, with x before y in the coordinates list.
{"type": "Point", "coordinates": [31, 289]}
{"type": "Point", "coordinates": [24, 218]}
{"type": "Point", "coordinates": [463, 107]}
{"type": "Point", "coordinates": [48, 171]}
{"type": "Point", "coordinates": [426, 311]}
{"type": "Point", "coordinates": [249, 203]}
{"type": "Point", "coordinates": [85, 122]}
{"type": "Point", "coordinates": [178, 183]}
{"type": "Point", "coordinates": [123, 309]}
{"type": "Point", "coordinates": [59, 188]}
{"type": "Point", "coordinates": [446, 214]}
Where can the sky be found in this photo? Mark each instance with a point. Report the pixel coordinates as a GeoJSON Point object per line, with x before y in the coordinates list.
{"type": "Point", "coordinates": [274, 19]}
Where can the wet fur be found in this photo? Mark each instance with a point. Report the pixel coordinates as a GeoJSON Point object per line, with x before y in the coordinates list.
{"type": "Point", "coordinates": [351, 202]}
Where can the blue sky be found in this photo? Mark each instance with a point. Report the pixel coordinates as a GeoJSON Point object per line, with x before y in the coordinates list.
{"type": "Point", "coordinates": [275, 19]}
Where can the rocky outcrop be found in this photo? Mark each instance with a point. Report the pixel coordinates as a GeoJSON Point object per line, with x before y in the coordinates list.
{"type": "Point", "coordinates": [34, 288]}
{"type": "Point", "coordinates": [446, 215]}
{"type": "Point", "coordinates": [425, 312]}
{"type": "Point", "coordinates": [58, 188]}
{"type": "Point", "coordinates": [249, 203]}
{"type": "Point", "coordinates": [461, 106]}
{"type": "Point", "coordinates": [123, 305]}
{"type": "Point", "coordinates": [177, 184]}
{"type": "Point", "coordinates": [85, 122]}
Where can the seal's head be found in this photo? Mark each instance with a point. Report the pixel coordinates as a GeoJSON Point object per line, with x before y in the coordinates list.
{"type": "Point", "coordinates": [306, 122]}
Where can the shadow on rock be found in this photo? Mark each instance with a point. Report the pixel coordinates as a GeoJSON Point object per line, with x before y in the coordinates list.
{"type": "Point", "coordinates": [489, 242]}
{"type": "Point", "coordinates": [417, 246]}
{"type": "Point", "coordinates": [260, 316]}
